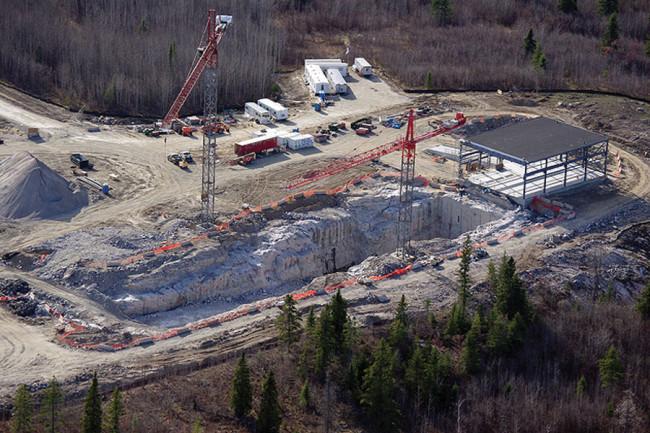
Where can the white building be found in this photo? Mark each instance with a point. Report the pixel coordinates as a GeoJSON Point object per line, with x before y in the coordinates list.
{"type": "Point", "coordinates": [257, 113]}
{"type": "Point", "coordinates": [325, 64]}
{"type": "Point", "coordinates": [362, 67]}
{"type": "Point", "coordinates": [338, 83]}
{"type": "Point", "coordinates": [277, 111]}
{"type": "Point", "coordinates": [316, 80]}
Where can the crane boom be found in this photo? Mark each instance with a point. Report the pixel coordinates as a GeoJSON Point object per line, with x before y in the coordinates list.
{"type": "Point", "coordinates": [214, 30]}
{"type": "Point", "coordinates": [340, 166]}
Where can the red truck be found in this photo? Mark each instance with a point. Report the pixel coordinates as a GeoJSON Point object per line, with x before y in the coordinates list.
{"type": "Point", "coordinates": [257, 145]}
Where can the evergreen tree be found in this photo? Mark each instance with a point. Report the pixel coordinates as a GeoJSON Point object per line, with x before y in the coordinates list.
{"type": "Point", "coordinates": [305, 396]}
{"type": "Point", "coordinates": [529, 43]}
{"type": "Point", "coordinates": [172, 54]}
{"type": "Point", "coordinates": [288, 322]}
{"type": "Point", "coordinates": [470, 356]}
{"type": "Point", "coordinates": [358, 365]}
{"type": "Point", "coordinates": [92, 416]}
{"type": "Point", "coordinates": [399, 330]}
{"type": "Point", "coordinates": [611, 369]}
{"type": "Point", "coordinates": [241, 396]}
{"type": "Point", "coordinates": [51, 406]}
{"type": "Point", "coordinates": [114, 413]}
{"type": "Point", "coordinates": [441, 11]}
{"type": "Point", "coordinates": [21, 419]}
{"type": "Point", "coordinates": [493, 278]}
{"type": "Point", "coordinates": [438, 384]}
{"type": "Point", "coordinates": [581, 386]}
{"type": "Point", "coordinates": [643, 304]}
{"type": "Point", "coordinates": [324, 340]}
{"type": "Point", "coordinates": [539, 59]}
{"type": "Point", "coordinates": [607, 7]}
{"type": "Point", "coordinates": [611, 32]}
{"type": "Point", "coordinates": [457, 323]}
{"type": "Point", "coordinates": [498, 338]}
{"type": "Point", "coordinates": [310, 325]}
{"type": "Point", "coordinates": [568, 6]}
{"type": "Point", "coordinates": [429, 81]}
{"type": "Point", "coordinates": [379, 389]}
{"type": "Point", "coordinates": [464, 280]}
{"type": "Point", "coordinates": [414, 376]}
{"type": "Point", "coordinates": [269, 417]}
{"type": "Point", "coordinates": [196, 426]}
{"type": "Point", "coordinates": [339, 319]}
{"type": "Point", "coordinates": [511, 295]}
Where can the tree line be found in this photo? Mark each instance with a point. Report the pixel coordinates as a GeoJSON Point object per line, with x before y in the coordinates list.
{"type": "Point", "coordinates": [503, 360]}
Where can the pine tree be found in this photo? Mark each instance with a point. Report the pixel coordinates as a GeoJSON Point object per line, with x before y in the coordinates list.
{"type": "Point", "coordinates": [441, 11]}
{"type": "Point", "coordinates": [305, 396]}
{"type": "Point", "coordinates": [358, 365]}
{"type": "Point", "coordinates": [611, 369]}
{"type": "Point", "coordinates": [498, 338]}
{"type": "Point", "coordinates": [470, 356]}
{"type": "Point", "coordinates": [339, 318]}
{"type": "Point", "coordinates": [92, 416]}
{"type": "Point", "coordinates": [607, 7]}
{"type": "Point", "coordinates": [21, 419]}
{"type": "Point", "coordinates": [51, 406]}
{"type": "Point", "coordinates": [429, 81]}
{"type": "Point", "coordinates": [539, 59]}
{"type": "Point", "coordinates": [399, 330]}
{"type": "Point", "coordinates": [643, 304]}
{"type": "Point", "coordinates": [493, 279]}
{"type": "Point", "coordinates": [511, 295]}
{"type": "Point", "coordinates": [114, 413]}
{"type": "Point", "coordinates": [414, 374]}
{"type": "Point", "coordinates": [269, 417]}
{"type": "Point", "coordinates": [288, 322]}
{"type": "Point", "coordinates": [581, 386]}
{"type": "Point", "coordinates": [529, 43]}
{"type": "Point", "coordinates": [464, 280]}
{"type": "Point", "coordinates": [310, 325]}
{"type": "Point", "coordinates": [611, 32]}
{"type": "Point", "coordinates": [457, 323]}
{"type": "Point", "coordinates": [241, 397]}
{"type": "Point", "coordinates": [568, 6]}
{"type": "Point", "coordinates": [379, 389]}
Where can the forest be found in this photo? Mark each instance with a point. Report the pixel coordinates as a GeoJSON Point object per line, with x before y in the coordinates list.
{"type": "Point", "coordinates": [131, 58]}
{"type": "Point", "coordinates": [506, 365]}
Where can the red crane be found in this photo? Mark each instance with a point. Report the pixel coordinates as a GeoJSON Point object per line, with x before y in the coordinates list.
{"type": "Point", "coordinates": [214, 29]}
{"type": "Point", "coordinates": [340, 166]}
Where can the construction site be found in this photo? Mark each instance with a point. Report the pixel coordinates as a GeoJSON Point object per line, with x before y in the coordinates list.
{"type": "Point", "coordinates": [134, 249]}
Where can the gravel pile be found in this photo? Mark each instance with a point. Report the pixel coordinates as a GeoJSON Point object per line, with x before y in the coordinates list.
{"type": "Point", "coordinates": [29, 188]}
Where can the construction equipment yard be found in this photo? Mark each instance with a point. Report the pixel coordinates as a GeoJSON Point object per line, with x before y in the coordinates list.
{"type": "Point", "coordinates": [137, 282]}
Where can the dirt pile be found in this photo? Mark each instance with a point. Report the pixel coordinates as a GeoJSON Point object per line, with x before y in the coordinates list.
{"type": "Point", "coordinates": [29, 188]}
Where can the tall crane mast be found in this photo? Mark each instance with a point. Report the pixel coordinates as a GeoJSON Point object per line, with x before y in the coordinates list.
{"type": "Point", "coordinates": [205, 64]}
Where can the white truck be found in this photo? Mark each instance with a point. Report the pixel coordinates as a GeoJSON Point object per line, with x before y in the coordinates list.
{"type": "Point", "coordinates": [257, 113]}
{"type": "Point", "coordinates": [362, 67]}
{"type": "Point", "coordinates": [277, 111]}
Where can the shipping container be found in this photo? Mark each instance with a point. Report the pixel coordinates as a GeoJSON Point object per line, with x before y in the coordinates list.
{"type": "Point", "coordinates": [257, 113]}
{"type": "Point", "coordinates": [325, 64]}
{"type": "Point", "coordinates": [338, 83]}
{"type": "Point", "coordinates": [300, 141]}
{"type": "Point", "coordinates": [263, 144]}
{"type": "Point", "coordinates": [362, 66]}
{"type": "Point", "coordinates": [277, 111]}
{"type": "Point", "coordinates": [283, 138]}
{"type": "Point", "coordinates": [316, 79]}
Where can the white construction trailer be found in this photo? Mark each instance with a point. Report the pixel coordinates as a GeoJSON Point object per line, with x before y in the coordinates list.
{"type": "Point", "coordinates": [362, 67]}
{"type": "Point", "coordinates": [326, 64]}
{"type": "Point", "coordinates": [257, 113]}
{"type": "Point", "coordinates": [338, 83]}
{"type": "Point", "coordinates": [300, 141]}
{"type": "Point", "coordinates": [277, 111]}
{"type": "Point", "coordinates": [316, 80]}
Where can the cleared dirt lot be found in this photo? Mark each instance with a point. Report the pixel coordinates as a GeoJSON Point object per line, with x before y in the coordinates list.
{"type": "Point", "coordinates": [154, 197]}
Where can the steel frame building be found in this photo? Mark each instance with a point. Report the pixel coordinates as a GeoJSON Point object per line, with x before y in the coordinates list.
{"type": "Point", "coordinates": [534, 157]}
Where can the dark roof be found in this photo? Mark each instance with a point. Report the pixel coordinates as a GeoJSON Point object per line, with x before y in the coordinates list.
{"type": "Point", "coordinates": [535, 139]}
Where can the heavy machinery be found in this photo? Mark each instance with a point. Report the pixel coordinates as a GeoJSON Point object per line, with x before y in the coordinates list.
{"type": "Point", "coordinates": [205, 63]}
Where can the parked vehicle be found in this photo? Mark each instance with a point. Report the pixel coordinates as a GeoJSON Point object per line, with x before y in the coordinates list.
{"type": "Point", "coordinates": [263, 144]}
{"type": "Point", "coordinates": [177, 159]}
{"type": "Point", "coordinates": [187, 156]}
{"type": "Point", "coordinates": [362, 67]}
{"type": "Point", "coordinates": [81, 161]}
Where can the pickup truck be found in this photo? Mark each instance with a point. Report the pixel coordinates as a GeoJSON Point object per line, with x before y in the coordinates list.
{"type": "Point", "coordinates": [81, 161]}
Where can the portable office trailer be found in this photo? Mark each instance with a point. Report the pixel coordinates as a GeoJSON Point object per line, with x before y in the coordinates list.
{"type": "Point", "coordinates": [300, 141]}
{"type": "Point", "coordinates": [362, 66]}
{"type": "Point", "coordinates": [326, 64]}
{"type": "Point", "coordinates": [256, 112]}
{"type": "Point", "coordinates": [277, 111]}
{"type": "Point", "coordinates": [316, 79]}
{"type": "Point", "coordinates": [337, 81]}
